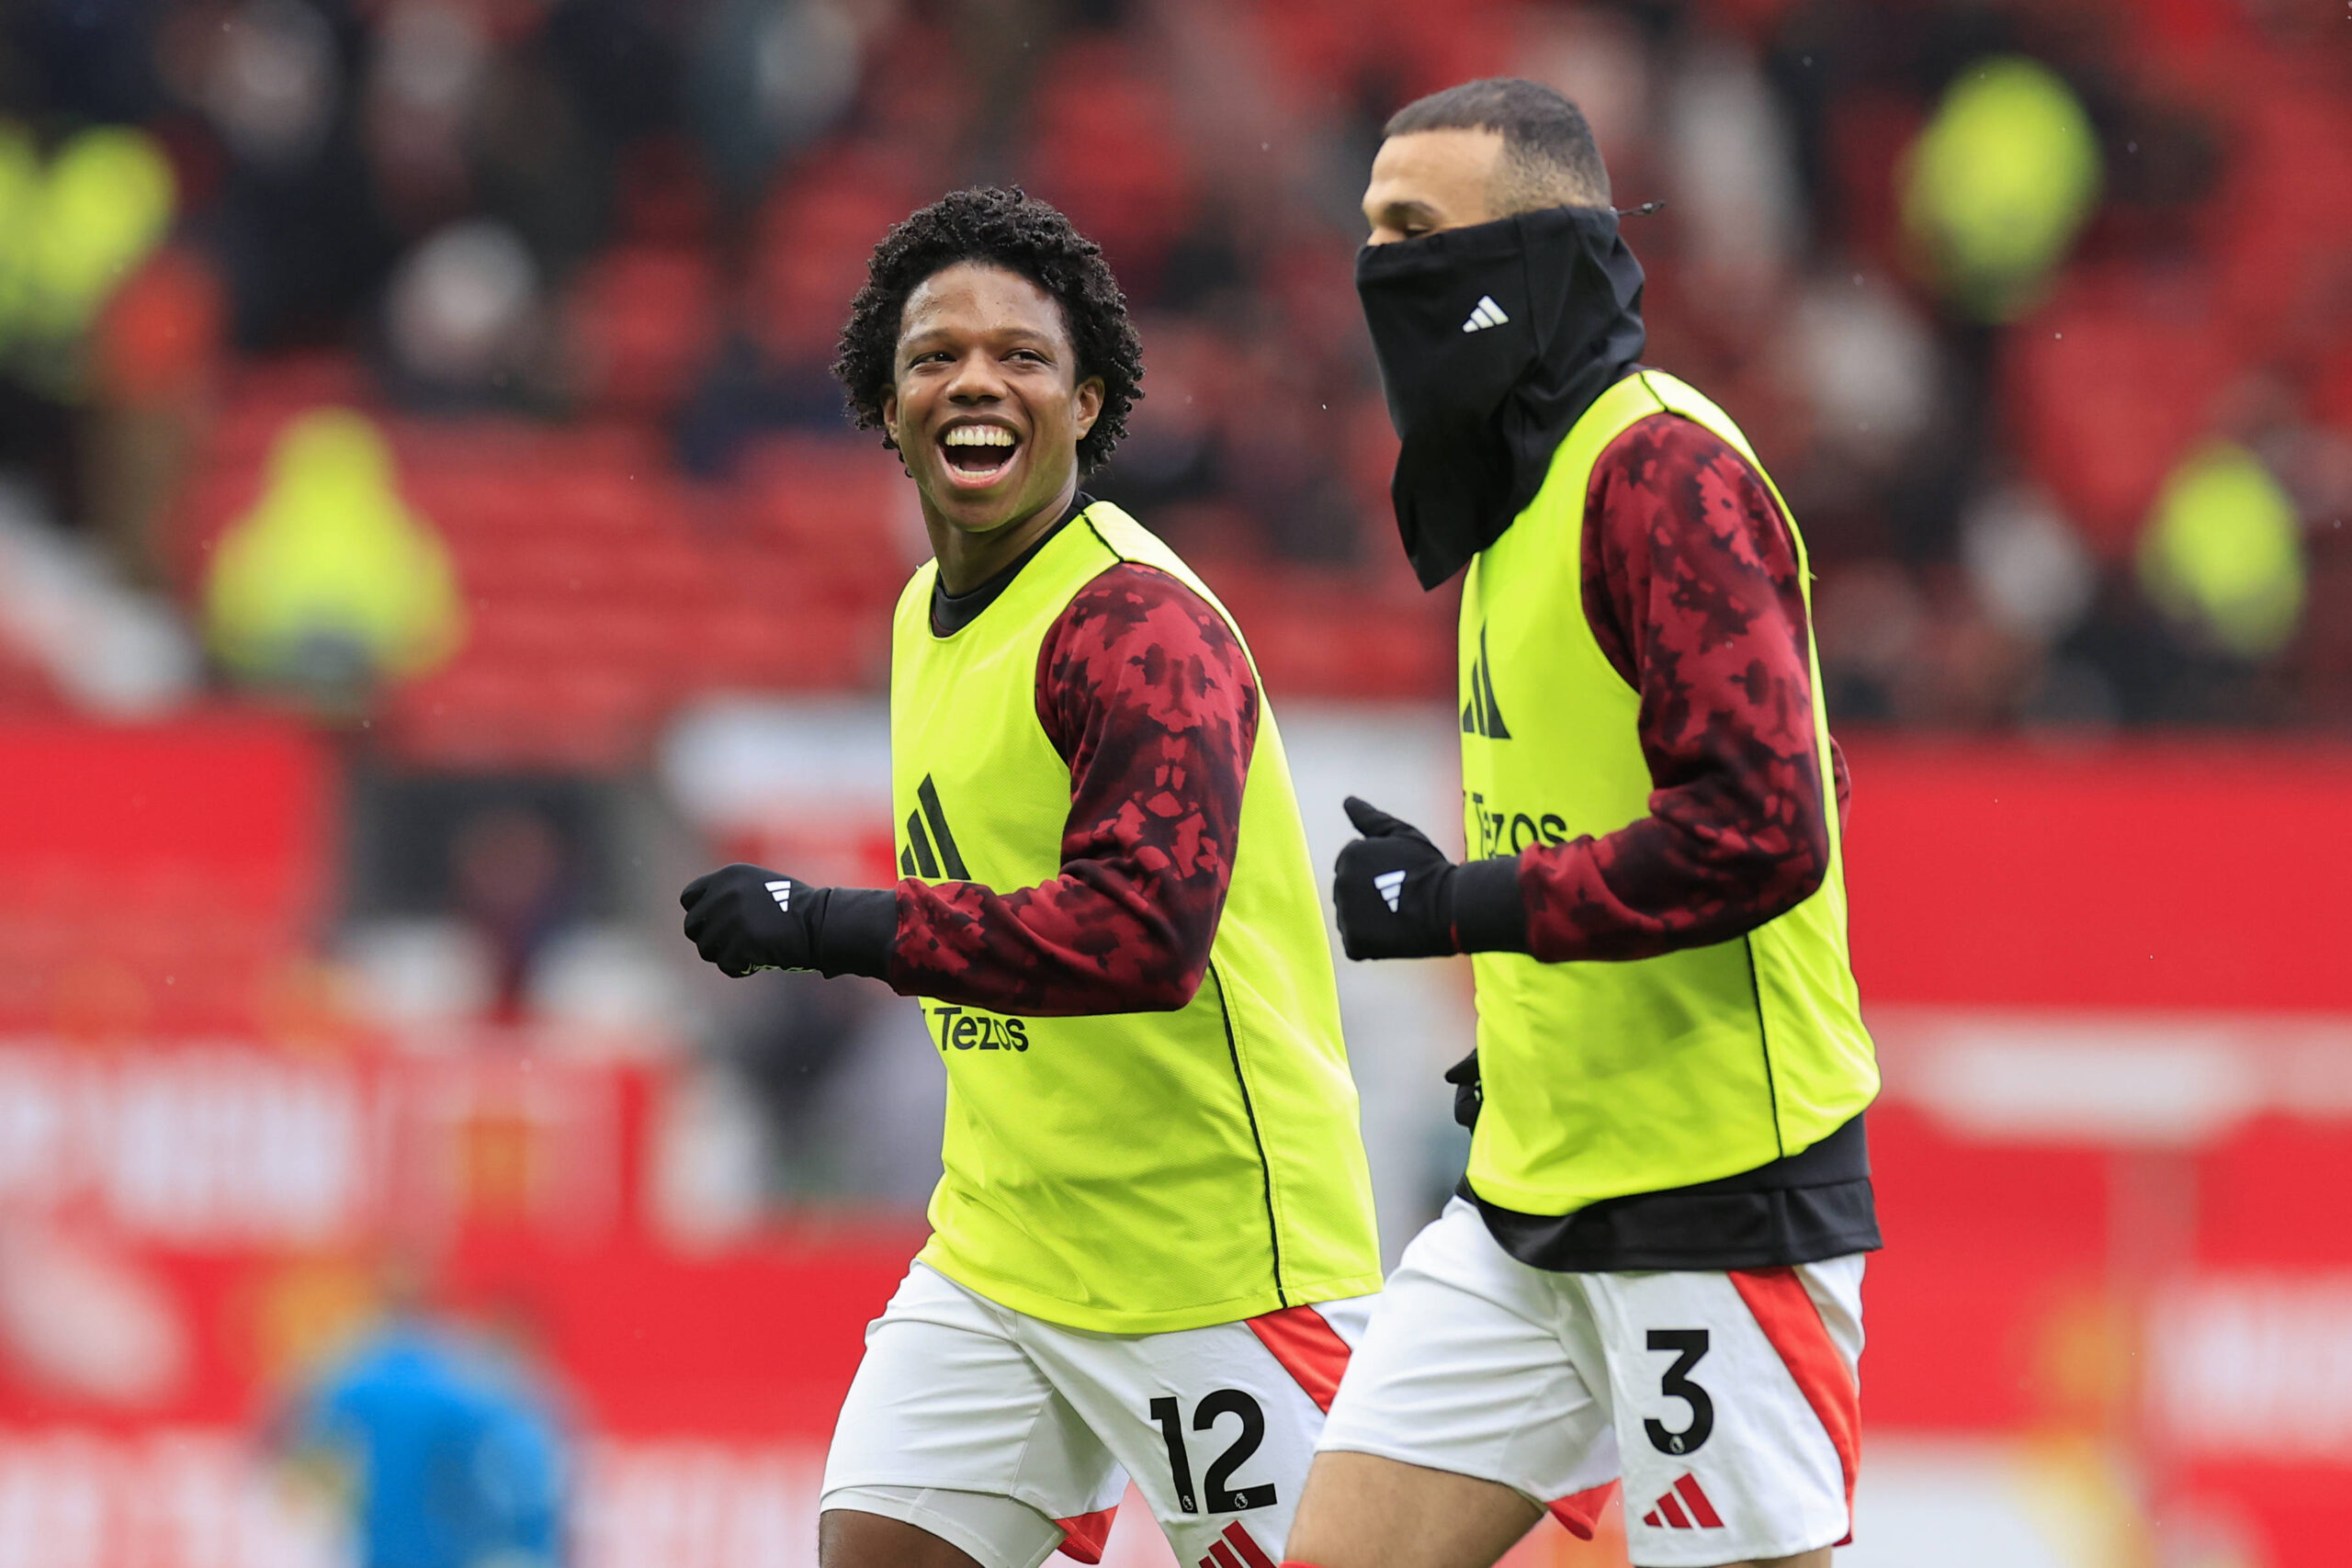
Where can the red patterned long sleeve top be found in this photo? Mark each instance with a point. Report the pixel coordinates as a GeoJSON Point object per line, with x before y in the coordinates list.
{"type": "Point", "coordinates": [1692, 589]}
{"type": "Point", "coordinates": [1145, 692]}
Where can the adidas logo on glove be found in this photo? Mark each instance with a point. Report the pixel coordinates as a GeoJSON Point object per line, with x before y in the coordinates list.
{"type": "Point", "coordinates": [782, 891]}
{"type": "Point", "coordinates": [1391, 885]}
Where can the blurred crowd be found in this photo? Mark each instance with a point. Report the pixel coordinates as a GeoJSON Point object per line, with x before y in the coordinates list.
{"type": "Point", "coordinates": [2042, 313]}
{"type": "Point", "coordinates": [454, 376]}
{"type": "Point", "coordinates": [457, 371]}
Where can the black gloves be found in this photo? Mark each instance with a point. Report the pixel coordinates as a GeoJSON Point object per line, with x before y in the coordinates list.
{"type": "Point", "coordinates": [746, 918]}
{"type": "Point", "coordinates": [1469, 1091]}
{"type": "Point", "coordinates": [1398, 896]}
{"type": "Point", "coordinates": [1393, 889]}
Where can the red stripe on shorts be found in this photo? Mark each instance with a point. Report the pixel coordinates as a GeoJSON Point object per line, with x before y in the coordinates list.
{"type": "Point", "coordinates": [1085, 1536]}
{"type": "Point", "coordinates": [1309, 1350]}
{"type": "Point", "coordinates": [1790, 1320]}
{"type": "Point", "coordinates": [1579, 1512]}
{"type": "Point", "coordinates": [1694, 1497]}
{"type": "Point", "coordinates": [1252, 1554]}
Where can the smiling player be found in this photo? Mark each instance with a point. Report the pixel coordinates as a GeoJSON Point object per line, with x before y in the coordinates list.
{"type": "Point", "coordinates": [1154, 1238]}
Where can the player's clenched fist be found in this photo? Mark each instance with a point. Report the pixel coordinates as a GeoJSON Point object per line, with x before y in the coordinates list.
{"type": "Point", "coordinates": [746, 918]}
{"type": "Point", "coordinates": [1393, 889]}
{"type": "Point", "coordinates": [1398, 896]}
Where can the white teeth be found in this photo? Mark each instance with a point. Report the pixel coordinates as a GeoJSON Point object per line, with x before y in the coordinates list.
{"type": "Point", "coordinates": [978, 435]}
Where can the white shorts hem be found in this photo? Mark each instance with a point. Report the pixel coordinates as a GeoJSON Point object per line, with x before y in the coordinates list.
{"type": "Point", "coordinates": [1036, 1503]}
{"type": "Point", "coordinates": [891, 1500]}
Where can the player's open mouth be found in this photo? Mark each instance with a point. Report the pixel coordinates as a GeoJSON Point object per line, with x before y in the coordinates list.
{"type": "Point", "coordinates": [978, 454]}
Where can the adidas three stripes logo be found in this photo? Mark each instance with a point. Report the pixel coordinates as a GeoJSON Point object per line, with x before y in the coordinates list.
{"type": "Point", "coordinates": [1487, 315]}
{"type": "Point", "coordinates": [919, 858]}
{"type": "Point", "coordinates": [1683, 1507]}
{"type": "Point", "coordinates": [1480, 713]}
{"type": "Point", "coordinates": [1236, 1548]}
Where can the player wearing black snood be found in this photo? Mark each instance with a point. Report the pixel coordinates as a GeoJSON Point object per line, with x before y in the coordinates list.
{"type": "Point", "coordinates": [1652, 1274]}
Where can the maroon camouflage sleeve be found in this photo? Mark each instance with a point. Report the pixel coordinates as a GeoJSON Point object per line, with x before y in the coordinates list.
{"type": "Point", "coordinates": [1146, 691]}
{"type": "Point", "coordinates": [1691, 586]}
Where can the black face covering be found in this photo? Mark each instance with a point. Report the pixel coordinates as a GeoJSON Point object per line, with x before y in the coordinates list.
{"type": "Point", "coordinates": [1492, 339]}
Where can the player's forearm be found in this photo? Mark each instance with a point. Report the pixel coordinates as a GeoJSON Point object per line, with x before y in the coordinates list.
{"type": "Point", "coordinates": [1712, 862]}
{"type": "Point", "coordinates": [1694, 592]}
{"type": "Point", "coordinates": [1095, 940]}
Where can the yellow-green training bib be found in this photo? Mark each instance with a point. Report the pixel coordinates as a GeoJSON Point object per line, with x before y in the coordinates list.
{"type": "Point", "coordinates": [1606, 1079]}
{"type": "Point", "coordinates": [1136, 1172]}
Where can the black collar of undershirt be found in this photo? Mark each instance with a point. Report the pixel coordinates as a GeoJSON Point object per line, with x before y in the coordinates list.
{"type": "Point", "coordinates": [950, 613]}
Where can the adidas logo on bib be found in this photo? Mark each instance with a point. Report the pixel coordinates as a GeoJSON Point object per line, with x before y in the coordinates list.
{"type": "Point", "coordinates": [918, 857]}
{"type": "Point", "coordinates": [1480, 716]}
{"type": "Point", "coordinates": [1683, 1507]}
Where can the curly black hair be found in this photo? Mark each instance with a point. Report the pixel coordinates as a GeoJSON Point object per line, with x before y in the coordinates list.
{"type": "Point", "coordinates": [1014, 230]}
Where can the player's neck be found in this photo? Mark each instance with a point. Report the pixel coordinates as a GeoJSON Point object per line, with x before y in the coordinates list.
{"type": "Point", "coordinates": [968, 558]}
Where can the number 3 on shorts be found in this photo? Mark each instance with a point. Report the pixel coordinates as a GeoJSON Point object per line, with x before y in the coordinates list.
{"type": "Point", "coordinates": [1688, 1344]}
{"type": "Point", "coordinates": [1222, 1498]}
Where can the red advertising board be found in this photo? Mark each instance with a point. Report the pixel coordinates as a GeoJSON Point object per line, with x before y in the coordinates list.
{"type": "Point", "coordinates": [2118, 1044]}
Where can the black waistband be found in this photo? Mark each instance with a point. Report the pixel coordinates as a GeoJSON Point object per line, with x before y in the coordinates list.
{"type": "Point", "coordinates": [1813, 1205]}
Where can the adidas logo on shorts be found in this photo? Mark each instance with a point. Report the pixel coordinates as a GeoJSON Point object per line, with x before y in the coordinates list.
{"type": "Point", "coordinates": [1684, 1506]}
{"type": "Point", "coordinates": [1235, 1551]}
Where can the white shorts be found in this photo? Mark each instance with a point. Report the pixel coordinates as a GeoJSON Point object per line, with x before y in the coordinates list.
{"type": "Point", "coordinates": [1010, 1437]}
{"type": "Point", "coordinates": [1728, 1403]}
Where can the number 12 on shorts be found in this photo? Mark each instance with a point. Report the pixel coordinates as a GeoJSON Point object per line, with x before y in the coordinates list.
{"type": "Point", "coordinates": [1221, 1497]}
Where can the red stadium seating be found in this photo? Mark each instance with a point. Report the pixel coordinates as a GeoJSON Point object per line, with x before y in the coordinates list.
{"type": "Point", "coordinates": [2111, 386]}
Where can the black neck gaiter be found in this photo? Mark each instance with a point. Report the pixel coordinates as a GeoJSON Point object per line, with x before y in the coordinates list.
{"type": "Point", "coordinates": [1492, 340]}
